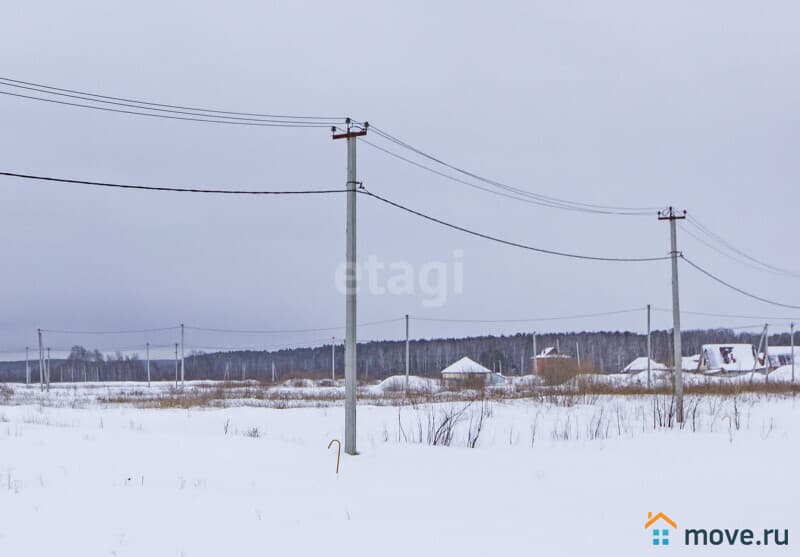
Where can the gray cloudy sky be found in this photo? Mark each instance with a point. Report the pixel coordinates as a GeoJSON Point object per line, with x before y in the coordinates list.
{"type": "Point", "coordinates": [688, 103]}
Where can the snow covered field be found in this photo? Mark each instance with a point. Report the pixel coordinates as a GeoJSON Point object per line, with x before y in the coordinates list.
{"type": "Point", "coordinates": [569, 476]}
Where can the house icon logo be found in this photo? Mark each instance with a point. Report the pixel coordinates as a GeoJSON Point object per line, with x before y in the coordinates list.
{"type": "Point", "coordinates": [661, 525]}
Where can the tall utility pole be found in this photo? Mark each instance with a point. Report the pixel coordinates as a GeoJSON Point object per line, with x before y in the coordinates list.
{"type": "Point", "coordinates": [176, 365]}
{"type": "Point", "coordinates": [671, 216]}
{"type": "Point", "coordinates": [147, 349]}
{"type": "Point", "coordinates": [27, 368]}
{"type": "Point", "coordinates": [535, 356]}
{"type": "Point", "coordinates": [274, 376]}
{"type": "Point", "coordinates": [333, 358]}
{"type": "Point", "coordinates": [47, 370]}
{"type": "Point", "coordinates": [649, 347]}
{"type": "Point", "coordinates": [408, 364]}
{"type": "Point", "coordinates": [41, 360]}
{"type": "Point", "coordinates": [351, 135]}
{"type": "Point", "coordinates": [791, 335]}
{"type": "Point", "coordinates": [578, 353]}
{"type": "Point", "coordinates": [183, 363]}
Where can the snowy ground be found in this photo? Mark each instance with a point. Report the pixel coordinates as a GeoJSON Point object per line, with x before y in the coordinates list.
{"type": "Point", "coordinates": [571, 476]}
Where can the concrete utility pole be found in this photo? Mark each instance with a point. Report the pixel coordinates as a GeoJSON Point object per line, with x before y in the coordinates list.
{"type": "Point", "coordinates": [183, 363]}
{"type": "Point", "coordinates": [27, 368]}
{"type": "Point", "coordinates": [535, 356]}
{"type": "Point", "coordinates": [351, 135]}
{"type": "Point", "coordinates": [671, 216]}
{"type": "Point", "coordinates": [649, 347]}
{"type": "Point", "coordinates": [47, 371]}
{"type": "Point", "coordinates": [791, 335]}
{"type": "Point", "coordinates": [333, 358]}
{"type": "Point", "coordinates": [176, 365]}
{"type": "Point", "coordinates": [41, 360]}
{"type": "Point", "coordinates": [578, 353]}
{"type": "Point", "coordinates": [408, 364]}
{"type": "Point", "coordinates": [147, 349]}
{"type": "Point", "coordinates": [274, 375]}
{"type": "Point", "coordinates": [766, 352]}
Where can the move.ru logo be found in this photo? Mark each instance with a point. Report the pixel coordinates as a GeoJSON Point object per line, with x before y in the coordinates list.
{"type": "Point", "coordinates": [659, 524]}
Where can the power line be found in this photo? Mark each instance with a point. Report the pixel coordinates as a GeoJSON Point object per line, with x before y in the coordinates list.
{"type": "Point", "coordinates": [362, 191]}
{"type": "Point", "coordinates": [531, 320]}
{"type": "Point", "coordinates": [123, 332]}
{"type": "Point", "coordinates": [554, 202]}
{"type": "Point", "coordinates": [508, 242]}
{"type": "Point", "coordinates": [19, 83]}
{"type": "Point", "coordinates": [736, 288]}
{"type": "Point", "coordinates": [172, 189]}
{"type": "Point", "coordinates": [759, 265]}
{"type": "Point", "coordinates": [281, 331]}
{"type": "Point", "coordinates": [169, 117]}
{"type": "Point", "coordinates": [728, 315]}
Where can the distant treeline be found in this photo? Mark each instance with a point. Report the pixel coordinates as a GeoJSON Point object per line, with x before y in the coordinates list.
{"type": "Point", "coordinates": [598, 351]}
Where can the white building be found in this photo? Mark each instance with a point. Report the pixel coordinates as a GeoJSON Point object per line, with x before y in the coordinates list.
{"type": "Point", "coordinates": [640, 364]}
{"type": "Point", "coordinates": [782, 356]}
{"type": "Point", "coordinates": [728, 358]}
{"type": "Point", "coordinates": [466, 369]}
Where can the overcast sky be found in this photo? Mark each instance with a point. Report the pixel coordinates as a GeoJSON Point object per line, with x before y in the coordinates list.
{"type": "Point", "coordinates": [693, 104]}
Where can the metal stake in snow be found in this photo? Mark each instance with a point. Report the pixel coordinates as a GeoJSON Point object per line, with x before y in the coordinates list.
{"type": "Point", "coordinates": [351, 136]}
{"type": "Point", "coordinates": [672, 217]}
{"type": "Point", "coordinates": [649, 348]}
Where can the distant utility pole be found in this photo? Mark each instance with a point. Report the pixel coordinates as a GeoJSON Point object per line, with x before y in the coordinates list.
{"type": "Point", "coordinates": [671, 216]}
{"type": "Point", "coordinates": [791, 335]}
{"type": "Point", "coordinates": [27, 368]}
{"type": "Point", "coordinates": [183, 363]}
{"type": "Point", "coordinates": [351, 135]}
{"type": "Point", "coordinates": [649, 347]}
{"type": "Point", "coordinates": [535, 356]}
{"type": "Point", "coordinates": [41, 360]}
{"type": "Point", "coordinates": [147, 348]}
{"type": "Point", "coordinates": [578, 353]}
{"type": "Point", "coordinates": [274, 375]}
{"type": "Point", "coordinates": [333, 358]}
{"type": "Point", "coordinates": [47, 370]}
{"type": "Point", "coordinates": [176, 365]}
{"type": "Point", "coordinates": [408, 364]}
{"type": "Point", "coordinates": [766, 352]}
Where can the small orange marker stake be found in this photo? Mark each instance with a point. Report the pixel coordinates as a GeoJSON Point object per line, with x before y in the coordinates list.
{"type": "Point", "coordinates": [338, 452]}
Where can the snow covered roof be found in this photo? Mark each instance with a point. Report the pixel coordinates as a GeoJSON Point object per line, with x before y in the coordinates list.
{"type": "Point", "coordinates": [728, 357]}
{"type": "Point", "coordinates": [690, 363]}
{"type": "Point", "coordinates": [465, 365]}
{"type": "Point", "coordinates": [640, 364]}
{"type": "Point", "coordinates": [782, 355]}
{"type": "Point", "coordinates": [551, 352]}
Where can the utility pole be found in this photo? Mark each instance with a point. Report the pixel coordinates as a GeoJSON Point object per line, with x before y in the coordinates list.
{"type": "Point", "coordinates": [578, 353]}
{"type": "Point", "coordinates": [649, 347]}
{"type": "Point", "coordinates": [176, 365]}
{"type": "Point", "coordinates": [351, 135]}
{"type": "Point", "coordinates": [274, 376]}
{"type": "Point", "coordinates": [671, 216]}
{"type": "Point", "coordinates": [333, 358]}
{"type": "Point", "coordinates": [791, 335]}
{"type": "Point", "coordinates": [147, 348]}
{"type": "Point", "coordinates": [27, 368]}
{"type": "Point", "coordinates": [183, 363]}
{"type": "Point", "coordinates": [41, 360]}
{"type": "Point", "coordinates": [47, 370]}
{"type": "Point", "coordinates": [408, 364]}
{"type": "Point", "coordinates": [535, 356]}
{"type": "Point", "coordinates": [766, 352]}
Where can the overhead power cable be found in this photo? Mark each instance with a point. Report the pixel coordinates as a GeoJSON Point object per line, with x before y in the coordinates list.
{"type": "Point", "coordinates": [172, 189]}
{"type": "Point", "coordinates": [531, 320]}
{"type": "Point", "coordinates": [735, 288]}
{"type": "Point", "coordinates": [362, 191]}
{"type": "Point", "coordinates": [123, 332]}
{"type": "Point", "coordinates": [19, 83]}
{"type": "Point", "coordinates": [728, 315]}
{"type": "Point", "coordinates": [508, 242]}
{"type": "Point", "coordinates": [549, 201]}
{"type": "Point", "coordinates": [210, 119]}
{"type": "Point", "coordinates": [281, 331]}
{"type": "Point", "coordinates": [743, 258]}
